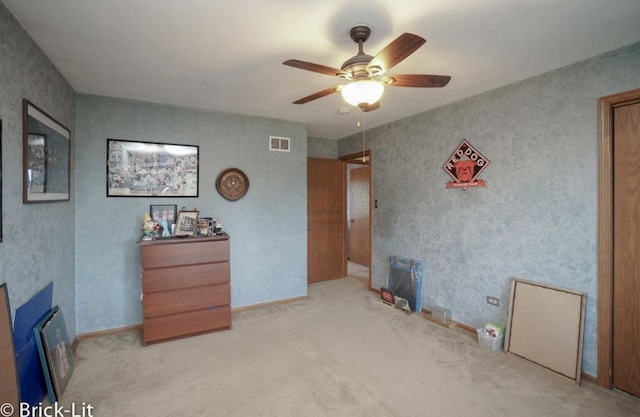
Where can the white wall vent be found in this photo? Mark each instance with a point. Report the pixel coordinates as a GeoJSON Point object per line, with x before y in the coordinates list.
{"type": "Point", "coordinates": [279, 144]}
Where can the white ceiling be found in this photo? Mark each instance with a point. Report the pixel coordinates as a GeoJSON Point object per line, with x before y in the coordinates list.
{"type": "Point", "coordinates": [227, 55]}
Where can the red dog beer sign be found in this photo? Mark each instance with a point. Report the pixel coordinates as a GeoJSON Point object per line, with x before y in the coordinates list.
{"type": "Point", "coordinates": [464, 166]}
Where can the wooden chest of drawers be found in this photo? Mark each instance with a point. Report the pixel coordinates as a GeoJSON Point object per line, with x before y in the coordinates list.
{"type": "Point", "coordinates": [185, 287]}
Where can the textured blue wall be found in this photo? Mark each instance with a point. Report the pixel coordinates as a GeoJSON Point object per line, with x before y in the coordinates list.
{"type": "Point", "coordinates": [537, 217]}
{"type": "Point", "coordinates": [267, 226]}
{"type": "Point", "coordinates": [322, 148]}
{"type": "Point", "coordinates": [38, 239]}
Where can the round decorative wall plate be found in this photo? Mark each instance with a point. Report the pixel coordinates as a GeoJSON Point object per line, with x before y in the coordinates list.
{"type": "Point", "coordinates": [232, 184]}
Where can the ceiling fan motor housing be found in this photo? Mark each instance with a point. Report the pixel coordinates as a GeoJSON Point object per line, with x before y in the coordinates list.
{"type": "Point", "coordinates": [360, 33]}
{"type": "Point", "coordinates": [356, 66]}
{"type": "Point", "coordinates": [361, 70]}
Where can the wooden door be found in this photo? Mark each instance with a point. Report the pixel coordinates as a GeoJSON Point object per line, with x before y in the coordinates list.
{"type": "Point", "coordinates": [326, 219]}
{"type": "Point", "coordinates": [626, 247]}
{"type": "Point", "coordinates": [359, 227]}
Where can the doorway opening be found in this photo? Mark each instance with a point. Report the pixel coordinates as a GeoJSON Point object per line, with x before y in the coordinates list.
{"type": "Point", "coordinates": [358, 192]}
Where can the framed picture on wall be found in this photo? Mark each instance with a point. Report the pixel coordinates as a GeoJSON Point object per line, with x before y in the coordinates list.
{"type": "Point", "coordinates": [148, 169]}
{"type": "Point", "coordinates": [46, 157]}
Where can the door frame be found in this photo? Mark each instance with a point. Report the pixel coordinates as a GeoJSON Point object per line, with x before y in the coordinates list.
{"type": "Point", "coordinates": [364, 158]}
{"type": "Point", "coordinates": [605, 231]}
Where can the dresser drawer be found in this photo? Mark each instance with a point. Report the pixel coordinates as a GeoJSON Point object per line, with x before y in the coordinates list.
{"type": "Point", "coordinates": [187, 253]}
{"type": "Point", "coordinates": [187, 299]}
{"type": "Point", "coordinates": [193, 322]}
{"type": "Point", "coordinates": [163, 279]}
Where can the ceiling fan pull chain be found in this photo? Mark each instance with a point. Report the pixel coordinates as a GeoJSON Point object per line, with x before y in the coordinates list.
{"type": "Point", "coordinates": [363, 139]}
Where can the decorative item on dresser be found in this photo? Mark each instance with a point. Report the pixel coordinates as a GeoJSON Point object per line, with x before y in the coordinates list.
{"type": "Point", "coordinates": [186, 223]}
{"type": "Point", "coordinates": [186, 287]}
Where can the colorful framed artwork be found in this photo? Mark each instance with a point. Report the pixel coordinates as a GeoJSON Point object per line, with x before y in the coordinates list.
{"type": "Point", "coordinates": [147, 169]}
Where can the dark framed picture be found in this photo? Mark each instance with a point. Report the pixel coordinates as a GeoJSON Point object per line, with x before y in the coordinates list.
{"type": "Point", "coordinates": [186, 223]}
{"type": "Point", "coordinates": [148, 169]}
{"type": "Point", "coordinates": [56, 357]}
{"type": "Point", "coordinates": [161, 212]}
{"type": "Point", "coordinates": [46, 157]}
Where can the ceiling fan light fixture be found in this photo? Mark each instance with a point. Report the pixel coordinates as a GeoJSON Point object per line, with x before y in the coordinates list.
{"type": "Point", "coordinates": [362, 92]}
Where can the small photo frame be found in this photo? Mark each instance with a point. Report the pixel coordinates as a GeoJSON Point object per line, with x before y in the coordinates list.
{"type": "Point", "coordinates": [186, 223]}
{"type": "Point", "coordinates": [161, 212]}
{"type": "Point", "coordinates": [205, 226]}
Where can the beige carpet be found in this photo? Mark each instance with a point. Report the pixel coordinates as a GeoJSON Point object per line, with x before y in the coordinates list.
{"type": "Point", "coordinates": [340, 353]}
{"type": "Point", "coordinates": [357, 270]}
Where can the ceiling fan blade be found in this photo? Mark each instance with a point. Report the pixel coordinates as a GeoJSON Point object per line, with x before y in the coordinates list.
{"type": "Point", "coordinates": [317, 95]}
{"type": "Point", "coordinates": [416, 80]}
{"type": "Point", "coordinates": [370, 107]}
{"type": "Point", "coordinates": [403, 46]}
{"type": "Point", "coordinates": [322, 69]}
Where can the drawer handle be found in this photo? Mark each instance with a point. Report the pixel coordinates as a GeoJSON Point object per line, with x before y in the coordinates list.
{"type": "Point", "coordinates": [212, 307]}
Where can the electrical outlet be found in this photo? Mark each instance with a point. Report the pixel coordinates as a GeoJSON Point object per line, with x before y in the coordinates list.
{"type": "Point", "coordinates": [493, 301]}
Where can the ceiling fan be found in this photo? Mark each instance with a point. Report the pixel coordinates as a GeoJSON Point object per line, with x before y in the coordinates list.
{"type": "Point", "coordinates": [365, 72]}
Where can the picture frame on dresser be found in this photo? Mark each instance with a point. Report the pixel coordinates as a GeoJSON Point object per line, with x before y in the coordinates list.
{"type": "Point", "coordinates": [186, 223]}
{"type": "Point", "coordinates": [151, 169]}
{"type": "Point", "coordinates": [161, 212]}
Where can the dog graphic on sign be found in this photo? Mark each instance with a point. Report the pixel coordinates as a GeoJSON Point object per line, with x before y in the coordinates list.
{"type": "Point", "coordinates": [465, 165]}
